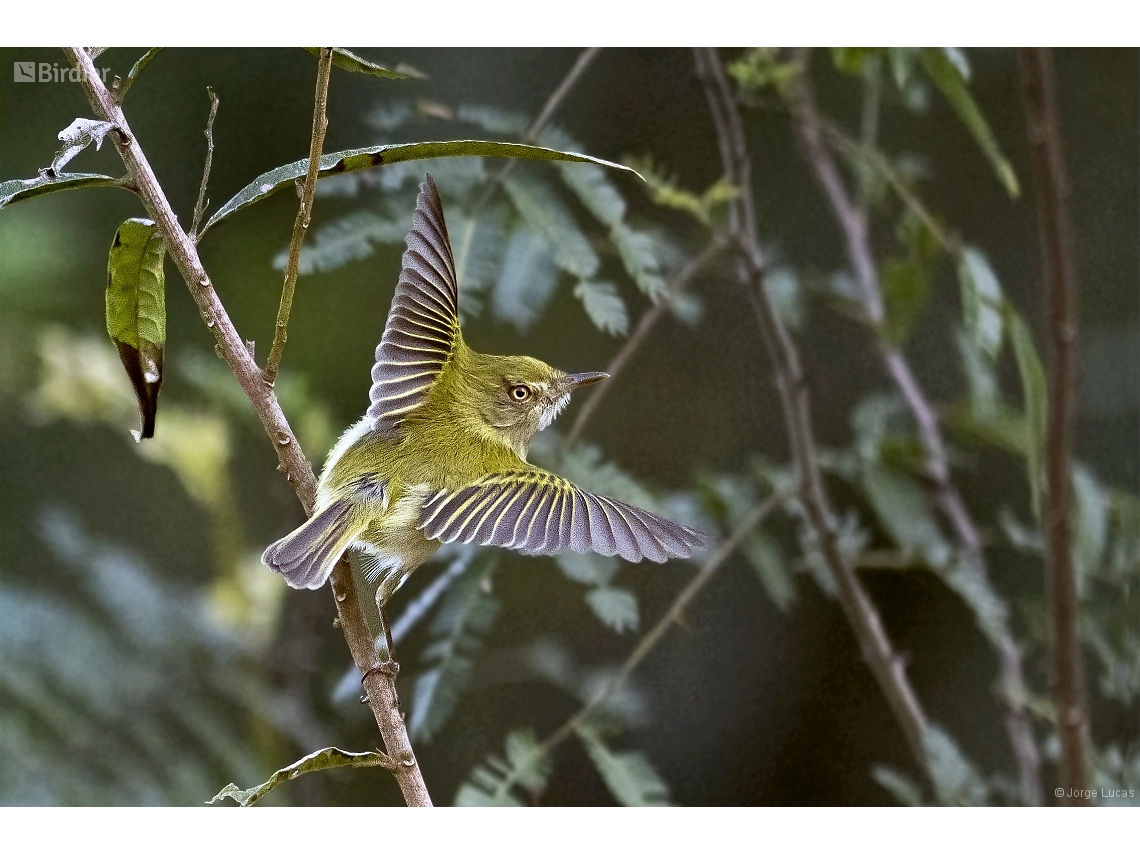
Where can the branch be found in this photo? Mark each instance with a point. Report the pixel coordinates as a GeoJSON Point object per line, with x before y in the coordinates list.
{"type": "Point", "coordinates": [304, 214]}
{"type": "Point", "coordinates": [648, 320]}
{"type": "Point", "coordinates": [381, 688]}
{"type": "Point", "coordinates": [1058, 266]}
{"type": "Point", "coordinates": [812, 131]}
{"type": "Point", "coordinates": [200, 205]}
{"type": "Point", "coordinates": [887, 666]}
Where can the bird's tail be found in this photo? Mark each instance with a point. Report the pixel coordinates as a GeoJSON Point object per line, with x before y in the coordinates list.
{"type": "Point", "coordinates": [306, 556]}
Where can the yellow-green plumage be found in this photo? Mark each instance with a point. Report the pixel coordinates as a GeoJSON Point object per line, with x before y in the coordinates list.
{"type": "Point", "coordinates": [441, 454]}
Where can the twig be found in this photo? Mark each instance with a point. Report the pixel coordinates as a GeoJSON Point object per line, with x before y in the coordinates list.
{"type": "Point", "coordinates": [381, 688]}
{"type": "Point", "coordinates": [136, 69]}
{"type": "Point", "coordinates": [645, 324]}
{"type": "Point", "coordinates": [887, 666]}
{"type": "Point", "coordinates": [304, 215]}
{"type": "Point", "coordinates": [1058, 265]}
{"type": "Point", "coordinates": [852, 220]}
{"type": "Point", "coordinates": [200, 206]}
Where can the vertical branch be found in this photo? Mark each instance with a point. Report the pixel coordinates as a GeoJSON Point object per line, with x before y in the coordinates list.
{"type": "Point", "coordinates": [887, 666]}
{"type": "Point", "coordinates": [291, 460]}
{"type": "Point", "coordinates": [200, 205]}
{"type": "Point", "coordinates": [1051, 189]}
{"type": "Point", "coordinates": [304, 214]}
{"type": "Point", "coordinates": [852, 220]}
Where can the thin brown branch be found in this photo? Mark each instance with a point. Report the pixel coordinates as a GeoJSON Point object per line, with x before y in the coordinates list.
{"type": "Point", "coordinates": [304, 215]}
{"type": "Point", "coordinates": [1059, 270]}
{"type": "Point", "coordinates": [381, 689]}
{"type": "Point", "coordinates": [887, 666]}
{"type": "Point", "coordinates": [200, 205]}
{"type": "Point", "coordinates": [813, 131]}
{"type": "Point", "coordinates": [645, 324]}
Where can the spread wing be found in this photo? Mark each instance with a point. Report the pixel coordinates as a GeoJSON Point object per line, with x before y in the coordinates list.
{"type": "Point", "coordinates": [539, 513]}
{"type": "Point", "coordinates": [423, 323]}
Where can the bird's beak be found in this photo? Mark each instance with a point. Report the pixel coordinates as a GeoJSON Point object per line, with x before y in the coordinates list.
{"type": "Point", "coordinates": [573, 381]}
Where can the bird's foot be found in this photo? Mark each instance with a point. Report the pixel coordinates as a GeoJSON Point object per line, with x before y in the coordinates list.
{"type": "Point", "coordinates": [389, 669]}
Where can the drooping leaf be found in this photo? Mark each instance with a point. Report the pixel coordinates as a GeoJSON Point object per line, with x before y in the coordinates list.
{"type": "Point", "coordinates": [349, 61]}
{"type": "Point", "coordinates": [526, 279]}
{"type": "Point", "coordinates": [982, 301]}
{"type": "Point", "coordinates": [615, 607]}
{"type": "Point", "coordinates": [326, 758]}
{"type": "Point", "coordinates": [1035, 396]}
{"type": "Point", "coordinates": [543, 211]}
{"type": "Point", "coordinates": [605, 306]}
{"type": "Point", "coordinates": [28, 188]}
{"type": "Point", "coordinates": [948, 77]}
{"type": "Point", "coordinates": [76, 137]}
{"type": "Point", "coordinates": [493, 783]}
{"type": "Point", "coordinates": [136, 311]}
{"type": "Point", "coordinates": [354, 160]}
{"type": "Point", "coordinates": [629, 775]}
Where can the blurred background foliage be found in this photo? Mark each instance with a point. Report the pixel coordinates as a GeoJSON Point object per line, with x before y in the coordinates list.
{"type": "Point", "coordinates": [149, 658]}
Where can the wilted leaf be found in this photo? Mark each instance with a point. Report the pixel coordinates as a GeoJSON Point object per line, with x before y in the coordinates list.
{"type": "Point", "coordinates": [354, 160]}
{"type": "Point", "coordinates": [76, 137]}
{"type": "Point", "coordinates": [1035, 396]}
{"type": "Point", "coordinates": [28, 188]}
{"type": "Point", "coordinates": [982, 301]}
{"type": "Point", "coordinates": [349, 61]}
{"type": "Point", "coordinates": [136, 311]}
{"type": "Point", "coordinates": [947, 76]}
{"type": "Point", "coordinates": [615, 607]}
{"type": "Point", "coordinates": [605, 307]}
{"type": "Point", "coordinates": [629, 776]}
{"type": "Point", "coordinates": [326, 758]}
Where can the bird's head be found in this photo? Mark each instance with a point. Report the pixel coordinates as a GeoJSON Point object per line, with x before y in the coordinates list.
{"type": "Point", "coordinates": [514, 397]}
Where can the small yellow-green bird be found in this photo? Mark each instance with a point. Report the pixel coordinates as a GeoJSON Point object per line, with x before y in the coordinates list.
{"type": "Point", "coordinates": [440, 456]}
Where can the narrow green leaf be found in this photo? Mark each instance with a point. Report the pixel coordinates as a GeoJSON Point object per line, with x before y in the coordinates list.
{"type": "Point", "coordinates": [1035, 395]}
{"type": "Point", "coordinates": [357, 159]}
{"type": "Point", "coordinates": [615, 607]}
{"type": "Point", "coordinates": [136, 312]}
{"type": "Point", "coordinates": [1091, 524]}
{"type": "Point", "coordinates": [948, 78]}
{"type": "Point", "coordinates": [629, 775]}
{"type": "Point", "coordinates": [349, 61]}
{"type": "Point", "coordinates": [605, 306]}
{"type": "Point", "coordinates": [982, 301]}
{"type": "Point", "coordinates": [905, 289]}
{"type": "Point", "coordinates": [19, 189]}
{"type": "Point", "coordinates": [326, 758]}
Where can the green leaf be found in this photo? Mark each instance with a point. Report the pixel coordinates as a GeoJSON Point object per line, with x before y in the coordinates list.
{"type": "Point", "coordinates": [905, 289]}
{"type": "Point", "coordinates": [767, 559]}
{"type": "Point", "coordinates": [344, 241]}
{"type": "Point", "coordinates": [854, 61]}
{"type": "Point", "coordinates": [615, 607]}
{"type": "Point", "coordinates": [899, 785]}
{"type": "Point", "coordinates": [526, 280]}
{"type": "Point", "coordinates": [629, 776]}
{"type": "Point", "coordinates": [1091, 524]}
{"type": "Point", "coordinates": [326, 758]}
{"type": "Point", "coordinates": [902, 508]}
{"type": "Point", "coordinates": [782, 286]}
{"type": "Point", "coordinates": [604, 306]}
{"type": "Point", "coordinates": [588, 568]}
{"type": "Point", "coordinates": [479, 243]}
{"type": "Point", "coordinates": [638, 252]}
{"type": "Point", "coordinates": [492, 784]}
{"type": "Point", "coordinates": [947, 76]}
{"type": "Point", "coordinates": [985, 397]}
{"type": "Point", "coordinates": [594, 191]}
{"type": "Point", "coordinates": [19, 189]}
{"type": "Point", "coordinates": [1035, 396]}
{"type": "Point", "coordinates": [349, 61]}
{"type": "Point", "coordinates": [357, 159]}
{"type": "Point", "coordinates": [544, 212]}
{"type": "Point", "coordinates": [956, 779]}
{"type": "Point", "coordinates": [982, 301]}
{"type": "Point", "coordinates": [136, 312]}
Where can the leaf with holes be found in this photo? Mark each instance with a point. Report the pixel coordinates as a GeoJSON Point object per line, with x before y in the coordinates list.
{"type": "Point", "coordinates": [136, 312]}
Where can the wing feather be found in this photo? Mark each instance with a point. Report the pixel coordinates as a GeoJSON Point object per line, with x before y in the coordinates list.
{"type": "Point", "coordinates": [539, 513]}
{"type": "Point", "coordinates": [422, 329]}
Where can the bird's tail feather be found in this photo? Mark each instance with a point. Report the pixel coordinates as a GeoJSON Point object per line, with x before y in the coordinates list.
{"type": "Point", "coordinates": [306, 556]}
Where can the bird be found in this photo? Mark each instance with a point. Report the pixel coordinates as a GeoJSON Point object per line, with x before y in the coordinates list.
{"type": "Point", "coordinates": [440, 456]}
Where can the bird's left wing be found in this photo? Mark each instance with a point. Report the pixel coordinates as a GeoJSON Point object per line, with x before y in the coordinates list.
{"type": "Point", "coordinates": [423, 324]}
{"type": "Point", "coordinates": [539, 513]}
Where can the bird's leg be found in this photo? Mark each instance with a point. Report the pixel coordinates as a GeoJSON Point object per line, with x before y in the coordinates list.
{"type": "Point", "coordinates": [385, 647]}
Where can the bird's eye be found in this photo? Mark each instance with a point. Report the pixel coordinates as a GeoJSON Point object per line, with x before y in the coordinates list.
{"type": "Point", "coordinates": [520, 393]}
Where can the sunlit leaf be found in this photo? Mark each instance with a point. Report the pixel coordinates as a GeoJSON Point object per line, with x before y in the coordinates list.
{"type": "Point", "coordinates": [354, 160]}
{"type": "Point", "coordinates": [326, 758]}
{"type": "Point", "coordinates": [136, 311]}
{"type": "Point", "coordinates": [605, 306]}
{"type": "Point", "coordinates": [629, 775]}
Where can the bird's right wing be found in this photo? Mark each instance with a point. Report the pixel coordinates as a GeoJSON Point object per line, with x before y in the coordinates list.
{"type": "Point", "coordinates": [539, 513]}
{"type": "Point", "coordinates": [422, 329]}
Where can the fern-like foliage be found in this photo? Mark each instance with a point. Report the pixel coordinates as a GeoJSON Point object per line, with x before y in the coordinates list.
{"type": "Point", "coordinates": [605, 306]}
{"type": "Point", "coordinates": [526, 280]}
{"type": "Point", "coordinates": [495, 783]}
{"type": "Point", "coordinates": [629, 775]}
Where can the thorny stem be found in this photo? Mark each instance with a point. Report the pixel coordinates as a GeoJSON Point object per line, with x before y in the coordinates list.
{"type": "Point", "coordinates": [1058, 267]}
{"type": "Point", "coordinates": [887, 666]}
{"type": "Point", "coordinates": [645, 324]}
{"type": "Point", "coordinates": [200, 205]}
{"type": "Point", "coordinates": [381, 688]}
{"type": "Point", "coordinates": [304, 215]}
{"type": "Point", "coordinates": [853, 221]}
